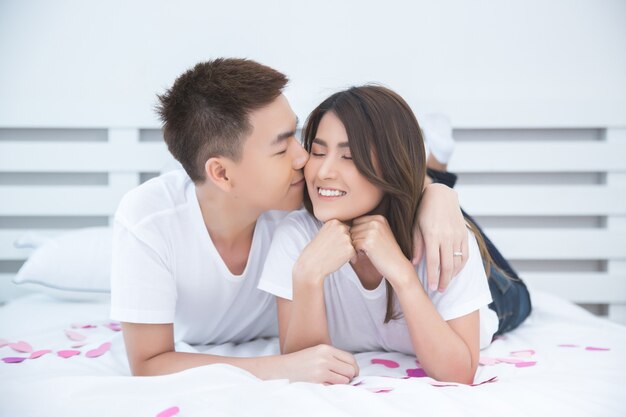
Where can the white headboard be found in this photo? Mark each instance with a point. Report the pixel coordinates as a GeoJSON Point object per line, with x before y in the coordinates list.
{"type": "Point", "coordinates": [553, 200]}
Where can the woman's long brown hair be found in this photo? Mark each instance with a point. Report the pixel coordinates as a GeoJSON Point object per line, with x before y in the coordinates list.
{"type": "Point", "coordinates": [387, 148]}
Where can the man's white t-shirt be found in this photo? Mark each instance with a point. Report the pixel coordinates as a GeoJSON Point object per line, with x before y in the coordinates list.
{"type": "Point", "coordinates": [356, 315]}
{"type": "Point", "coordinates": [165, 268]}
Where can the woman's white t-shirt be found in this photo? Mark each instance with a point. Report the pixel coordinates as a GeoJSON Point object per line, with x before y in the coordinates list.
{"type": "Point", "coordinates": [356, 315]}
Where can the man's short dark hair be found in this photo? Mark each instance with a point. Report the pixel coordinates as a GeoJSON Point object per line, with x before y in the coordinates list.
{"type": "Point", "coordinates": [206, 112]}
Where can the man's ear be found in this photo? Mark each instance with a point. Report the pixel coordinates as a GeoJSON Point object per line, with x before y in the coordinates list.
{"type": "Point", "coordinates": [216, 170]}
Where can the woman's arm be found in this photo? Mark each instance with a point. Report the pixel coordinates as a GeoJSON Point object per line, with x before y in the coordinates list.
{"type": "Point", "coordinates": [302, 322]}
{"type": "Point", "coordinates": [447, 351]}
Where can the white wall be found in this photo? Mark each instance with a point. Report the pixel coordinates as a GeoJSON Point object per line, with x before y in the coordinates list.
{"type": "Point", "coordinates": [485, 63]}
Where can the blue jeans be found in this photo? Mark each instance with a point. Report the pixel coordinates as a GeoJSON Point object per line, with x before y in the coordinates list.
{"type": "Point", "coordinates": [511, 300]}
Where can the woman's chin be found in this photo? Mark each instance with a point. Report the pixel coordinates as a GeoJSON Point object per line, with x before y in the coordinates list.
{"type": "Point", "coordinates": [326, 215]}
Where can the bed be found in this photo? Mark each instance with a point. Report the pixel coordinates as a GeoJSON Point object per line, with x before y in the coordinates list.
{"type": "Point", "coordinates": [563, 360]}
{"type": "Point", "coordinates": [561, 189]}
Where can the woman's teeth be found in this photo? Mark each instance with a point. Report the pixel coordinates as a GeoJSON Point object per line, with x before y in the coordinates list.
{"type": "Point", "coordinates": [330, 193]}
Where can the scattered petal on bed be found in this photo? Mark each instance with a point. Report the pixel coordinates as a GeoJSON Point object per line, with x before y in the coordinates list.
{"type": "Point", "coordinates": [416, 373]}
{"type": "Point", "coordinates": [486, 361]}
{"type": "Point", "coordinates": [596, 348]}
{"type": "Point", "coordinates": [523, 353]}
{"type": "Point", "coordinates": [380, 390]}
{"type": "Point", "coordinates": [39, 353]}
{"type": "Point", "coordinates": [4, 342]}
{"type": "Point", "coordinates": [116, 327]}
{"type": "Point", "coordinates": [386, 362]}
{"type": "Point", "coordinates": [83, 326]}
{"type": "Point", "coordinates": [101, 350]}
{"type": "Point", "coordinates": [168, 412]}
{"type": "Point", "coordinates": [488, 381]}
{"type": "Point", "coordinates": [68, 353]}
{"type": "Point", "coordinates": [568, 345]}
{"type": "Point", "coordinates": [78, 345]}
{"type": "Point", "coordinates": [72, 335]}
{"type": "Point", "coordinates": [13, 359]}
{"type": "Point", "coordinates": [525, 364]}
{"type": "Point", "coordinates": [21, 347]}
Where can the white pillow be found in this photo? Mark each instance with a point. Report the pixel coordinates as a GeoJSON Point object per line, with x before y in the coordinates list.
{"type": "Point", "coordinates": [73, 266]}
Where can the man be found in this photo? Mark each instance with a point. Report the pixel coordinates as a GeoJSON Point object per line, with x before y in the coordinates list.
{"type": "Point", "coordinates": [189, 246]}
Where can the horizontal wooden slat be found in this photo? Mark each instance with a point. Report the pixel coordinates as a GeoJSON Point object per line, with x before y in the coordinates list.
{"type": "Point", "coordinates": [580, 287]}
{"type": "Point", "coordinates": [482, 157]}
{"type": "Point", "coordinates": [59, 201]}
{"type": "Point", "coordinates": [544, 200]}
{"type": "Point", "coordinates": [559, 244]}
{"type": "Point", "coordinates": [83, 157]}
{"type": "Point", "coordinates": [539, 156]}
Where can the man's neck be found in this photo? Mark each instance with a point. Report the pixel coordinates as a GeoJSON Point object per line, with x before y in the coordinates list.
{"type": "Point", "coordinates": [230, 226]}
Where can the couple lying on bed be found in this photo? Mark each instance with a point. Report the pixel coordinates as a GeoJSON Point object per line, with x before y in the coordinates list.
{"type": "Point", "coordinates": [200, 254]}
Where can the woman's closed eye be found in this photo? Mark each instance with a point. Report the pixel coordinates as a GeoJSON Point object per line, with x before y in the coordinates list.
{"type": "Point", "coordinates": [320, 154]}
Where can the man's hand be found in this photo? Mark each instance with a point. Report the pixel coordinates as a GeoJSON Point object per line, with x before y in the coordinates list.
{"type": "Point", "coordinates": [440, 233]}
{"type": "Point", "coordinates": [320, 364]}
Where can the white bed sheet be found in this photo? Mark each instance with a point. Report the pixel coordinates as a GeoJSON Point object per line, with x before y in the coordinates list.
{"type": "Point", "coordinates": [571, 381]}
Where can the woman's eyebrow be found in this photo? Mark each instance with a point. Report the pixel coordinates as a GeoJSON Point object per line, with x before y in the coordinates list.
{"type": "Point", "coordinates": [322, 142]}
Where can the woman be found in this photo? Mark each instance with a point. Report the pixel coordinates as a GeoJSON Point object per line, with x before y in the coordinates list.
{"type": "Point", "coordinates": [341, 270]}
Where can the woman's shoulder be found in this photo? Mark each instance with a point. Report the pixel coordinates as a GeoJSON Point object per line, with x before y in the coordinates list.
{"type": "Point", "coordinates": [301, 220]}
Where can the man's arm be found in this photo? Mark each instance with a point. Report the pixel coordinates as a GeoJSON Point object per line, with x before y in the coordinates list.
{"type": "Point", "coordinates": [440, 232]}
{"type": "Point", "coordinates": [150, 351]}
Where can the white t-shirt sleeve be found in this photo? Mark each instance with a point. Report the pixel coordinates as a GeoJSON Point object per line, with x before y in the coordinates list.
{"type": "Point", "coordinates": [290, 238]}
{"type": "Point", "coordinates": [143, 289]}
{"type": "Point", "coordinates": [468, 291]}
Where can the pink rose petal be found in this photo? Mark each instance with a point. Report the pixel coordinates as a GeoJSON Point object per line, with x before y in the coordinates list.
{"type": "Point", "coordinates": [525, 364]}
{"type": "Point", "coordinates": [568, 345]}
{"type": "Point", "coordinates": [75, 336]}
{"type": "Point", "coordinates": [523, 353]}
{"type": "Point", "coordinates": [416, 373]}
{"type": "Point", "coordinates": [78, 345]}
{"type": "Point", "coordinates": [99, 351]}
{"type": "Point", "coordinates": [4, 342]}
{"type": "Point", "coordinates": [83, 326]}
{"type": "Point", "coordinates": [116, 327]}
{"type": "Point", "coordinates": [486, 361]}
{"type": "Point", "coordinates": [13, 359]}
{"type": "Point", "coordinates": [21, 347]}
{"type": "Point", "coordinates": [39, 353]}
{"type": "Point", "coordinates": [597, 348]}
{"type": "Point", "coordinates": [490, 380]}
{"type": "Point", "coordinates": [386, 362]}
{"type": "Point", "coordinates": [68, 353]}
{"type": "Point", "coordinates": [169, 412]}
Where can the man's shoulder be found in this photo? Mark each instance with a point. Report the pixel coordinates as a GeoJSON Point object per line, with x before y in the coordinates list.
{"type": "Point", "coordinates": [157, 196]}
